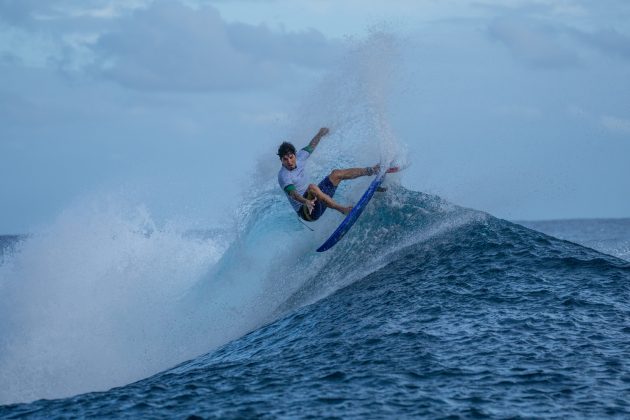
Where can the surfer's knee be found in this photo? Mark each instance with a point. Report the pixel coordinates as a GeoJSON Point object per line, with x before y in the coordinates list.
{"type": "Point", "coordinates": [313, 188]}
{"type": "Point", "coordinates": [335, 175]}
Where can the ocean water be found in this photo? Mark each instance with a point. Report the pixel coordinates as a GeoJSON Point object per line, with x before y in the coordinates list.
{"type": "Point", "coordinates": [424, 309]}
{"type": "Point", "coordinates": [610, 236]}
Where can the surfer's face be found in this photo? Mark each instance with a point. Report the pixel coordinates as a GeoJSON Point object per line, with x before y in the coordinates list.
{"type": "Point", "coordinates": [288, 161]}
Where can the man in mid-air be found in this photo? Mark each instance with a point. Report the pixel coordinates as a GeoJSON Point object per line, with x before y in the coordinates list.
{"type": "Point", "coordinates": [310, 200]}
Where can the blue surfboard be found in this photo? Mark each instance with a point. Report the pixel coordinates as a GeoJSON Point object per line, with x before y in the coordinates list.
{"type": "Point", "coordinates": [356, 211]}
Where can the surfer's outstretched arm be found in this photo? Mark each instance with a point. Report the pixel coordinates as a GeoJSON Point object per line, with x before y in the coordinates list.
{"type": "Point", "coordinates": [327, 200]}
{"type": "Point", "coordinates": [315, 141]}
{"type": "Point", "coordinates": [305, 201]}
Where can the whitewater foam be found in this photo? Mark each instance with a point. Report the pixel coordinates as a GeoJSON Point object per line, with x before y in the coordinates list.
{"type": "Point", "coordinates": [91, 301]}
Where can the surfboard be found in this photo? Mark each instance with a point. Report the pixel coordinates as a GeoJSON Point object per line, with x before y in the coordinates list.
{"type": "Point", "coordinates": [356, 211]}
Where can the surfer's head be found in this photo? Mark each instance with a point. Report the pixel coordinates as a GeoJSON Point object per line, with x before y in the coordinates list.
{"type": "Point", "coordinates": [286, 152]}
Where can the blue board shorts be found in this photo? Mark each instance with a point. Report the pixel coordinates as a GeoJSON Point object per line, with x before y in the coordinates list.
{"type": "Point", "coordinates": [327, 188]}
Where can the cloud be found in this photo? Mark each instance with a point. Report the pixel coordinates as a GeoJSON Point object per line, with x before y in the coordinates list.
{"type": "Point", "coordinates": [616, 124]}
{"type": "Point", "coordinates": [577, 111]}
{"type": "Point", "coordinates": [535, 44]}
{"type": "Point", "coordinates": [525, 28]}
{"type": "Point", "coordinates": [170, 46]}
{"type": "Point", "coordinates": [26, 12]}
{"type": "Point", "coordinates": [608, 41]}
{"type": "Point", "coordinates": [57, 34]}
{"type": "Point", "coordinates": [561, 9]}
{"type": "Point", "coordinates": [613, 124]}
{"type": "Point", "coordinates": [308, 49]}
{"type": "Point", "coordinates": [21, 11]}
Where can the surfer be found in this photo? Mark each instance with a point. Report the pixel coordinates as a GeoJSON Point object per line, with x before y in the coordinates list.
{"type": "Point", "coordinates": [310, 200]}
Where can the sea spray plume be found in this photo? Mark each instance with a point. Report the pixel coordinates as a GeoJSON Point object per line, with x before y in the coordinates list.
{"type": "Point", "coordinates": [90, 302]}
{"type": "Point", "coordinates": [352, 100]}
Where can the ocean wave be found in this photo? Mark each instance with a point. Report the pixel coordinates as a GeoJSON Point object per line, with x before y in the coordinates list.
{"type": "Point", "coordinates": [421, 295]}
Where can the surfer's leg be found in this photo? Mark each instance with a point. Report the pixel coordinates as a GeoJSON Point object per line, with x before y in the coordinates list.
{"type": "Point", "coordinates": [338, 175]}
{"type": "Point", "coordinates": [327, 200]}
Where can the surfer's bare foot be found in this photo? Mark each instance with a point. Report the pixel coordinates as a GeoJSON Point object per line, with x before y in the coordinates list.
{"type": "Point", "coordinates": [345, 210]}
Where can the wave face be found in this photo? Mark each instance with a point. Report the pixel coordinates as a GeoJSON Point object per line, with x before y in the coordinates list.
{"type": "Point", "coordinates": [424, 309]}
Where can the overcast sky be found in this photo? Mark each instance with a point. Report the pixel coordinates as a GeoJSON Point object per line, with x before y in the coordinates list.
{"type": "Point", "coordinates": [518, 108]}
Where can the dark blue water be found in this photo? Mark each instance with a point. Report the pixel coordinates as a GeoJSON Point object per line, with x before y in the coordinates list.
{"type": "Point", "coordinates": [481, 318]}
{"type": "Point", "coordinates": [610, 236]}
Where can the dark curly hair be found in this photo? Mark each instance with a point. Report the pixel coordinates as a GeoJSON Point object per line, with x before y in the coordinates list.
{"type": "Point", "coordinates": [285, 148]}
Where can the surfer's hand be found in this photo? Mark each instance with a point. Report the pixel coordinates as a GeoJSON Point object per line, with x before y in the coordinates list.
{"type": "Point", "coordinates": [310, 205]}
{"type": "Point", "coordinates": [323, 131]}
